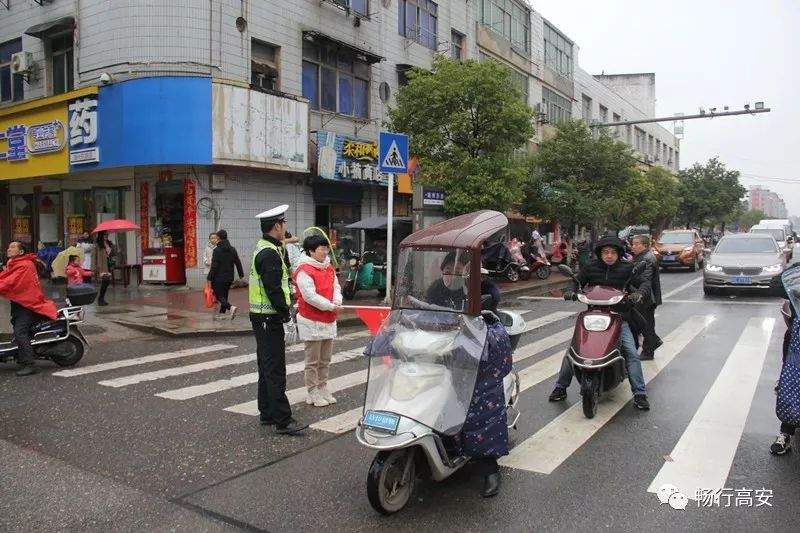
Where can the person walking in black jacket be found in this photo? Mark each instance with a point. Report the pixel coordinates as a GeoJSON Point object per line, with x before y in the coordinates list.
{"type": "Point", "coordinates": [640, 246]}
{"type": "Point", "coordinates": [223, 260]}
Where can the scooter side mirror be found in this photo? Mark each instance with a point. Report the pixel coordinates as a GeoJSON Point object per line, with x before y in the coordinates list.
{"type": "Point", "coordinates": [567, 271]}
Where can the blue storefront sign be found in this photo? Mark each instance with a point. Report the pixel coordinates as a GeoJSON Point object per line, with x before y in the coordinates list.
{"type": "Point", "coordinates": [147, 121]}
{"type": "Point", "coordinates": [341, 158]}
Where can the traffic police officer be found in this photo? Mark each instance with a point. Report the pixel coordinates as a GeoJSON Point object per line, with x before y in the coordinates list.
{"type": "Point", "coordinates": [269, 311]}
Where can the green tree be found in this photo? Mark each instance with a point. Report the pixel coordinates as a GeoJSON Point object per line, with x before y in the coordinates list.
{"type": "Point", "coordinates": [578, 178]}
{"type": "Point", "coordinates": [748, 219]}
{"type": "Point", "coordinates": [664, 199]}
{"type": "Point", "coordinates": [466, 121]}
{"type": "Point", "coordinates": [710, 193]}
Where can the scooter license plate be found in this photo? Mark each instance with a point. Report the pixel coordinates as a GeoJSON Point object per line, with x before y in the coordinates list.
{"type": "Point", "coordinates": [742, 280]}
{"type": "Point", "coordinates": [380, 421]}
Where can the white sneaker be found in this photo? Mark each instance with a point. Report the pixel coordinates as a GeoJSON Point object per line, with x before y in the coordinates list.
{"type": "Point", "coordinates": [233, 310]}
{"type": "Point", "coordinates": [316, 399]}
{"type": "Point", "coordinates": [326, 395]}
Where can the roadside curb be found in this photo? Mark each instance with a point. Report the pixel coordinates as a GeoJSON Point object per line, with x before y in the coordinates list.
{"type": "Point", "coordinates": [507, 291]}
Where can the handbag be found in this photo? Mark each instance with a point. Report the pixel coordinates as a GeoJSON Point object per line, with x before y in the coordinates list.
{"type": "Point", "coordinates": [208, 296]}
{"type": "Point", "coordinates": [787, 403]}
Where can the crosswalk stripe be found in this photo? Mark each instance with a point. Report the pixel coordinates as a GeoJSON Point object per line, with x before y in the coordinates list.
{"type": "Point", "coordinates": [682, 287]}
{"type": "Point", "coordinates": [124, 363]}
{"type": "Point", "coordinates": [544, 451]}
{"type": "Point", "coordinates": [204, 389]}
{"type": "Point", "coordinates": [359, 377]}
{"type": "Point", "coordinates": [177, 371]}
{"type": "Point", "coordinates": [703, 456]}
{"type": "Point", "coordinates": [529, 377]}
{"type": "Point", "coordinates": [194, 391]}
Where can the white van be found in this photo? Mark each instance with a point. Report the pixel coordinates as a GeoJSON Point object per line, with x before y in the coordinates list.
{"type": "Point", "coordinates": [777, 232]}
{"type": "Point", "coordinates": [783, 223]}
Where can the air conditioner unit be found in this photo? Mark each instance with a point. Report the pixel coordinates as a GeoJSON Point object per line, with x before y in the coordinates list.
{"type": "Point", "coordinates": [21, 63]}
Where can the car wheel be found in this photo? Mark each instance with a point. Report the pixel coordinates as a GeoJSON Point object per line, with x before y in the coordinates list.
{"type": "Point", "coordinates": [709, 291]}
{"type": "Point", "coordinates": [694, 266]}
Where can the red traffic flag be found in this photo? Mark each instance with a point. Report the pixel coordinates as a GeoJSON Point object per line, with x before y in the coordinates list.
{"type": "Point", "coordinates": [373, 317]}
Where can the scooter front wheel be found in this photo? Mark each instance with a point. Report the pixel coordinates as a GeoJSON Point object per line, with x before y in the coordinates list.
{"type": "Point", "coordinates": [590, 392]}
{"type": "Point", "coordinates": [543, 272]}
{"type": "Point", "coordinates": [391, 480]}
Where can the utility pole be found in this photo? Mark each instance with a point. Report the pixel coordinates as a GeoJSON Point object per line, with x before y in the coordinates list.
{"type": "Point", "coordinates": [676, 118]}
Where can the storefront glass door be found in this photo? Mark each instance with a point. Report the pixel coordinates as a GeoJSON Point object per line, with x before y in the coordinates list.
{"type": "Point", "coordinates": [22, 219]}
{"type": "Point", "coordinates": [108, 206]}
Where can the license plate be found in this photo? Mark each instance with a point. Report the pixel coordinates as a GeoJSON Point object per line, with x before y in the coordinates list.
{"type": "Point", "coordinates": [669, 259]}
{"type": "Point", "coordinates": [380, 421]}
{"type": "Point", "coordinates": [742, 280]}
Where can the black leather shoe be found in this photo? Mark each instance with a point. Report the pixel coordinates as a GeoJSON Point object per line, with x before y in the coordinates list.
{"type": "Point", "coordinates": [102, 303]}
{"type": "Point", "coordinates": [640, 402]}
{"type": "Point", "coordinates": [27, 370]}
{"type": "Point", "coordinates": [558, 395]}
{"type": "Point", "coordinates": [491, 485]}
{"type": "Point", "coordinates": [292, 428]}
{"type": "Point", "coordinates": [646, 355]}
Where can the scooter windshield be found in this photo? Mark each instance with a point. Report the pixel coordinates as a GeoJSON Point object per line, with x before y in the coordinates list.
{"type": "Point", "coordinates": [423, 365]}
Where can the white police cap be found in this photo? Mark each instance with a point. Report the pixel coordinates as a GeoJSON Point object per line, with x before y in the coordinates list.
{"type": "Point", "coordinates": [276, 213]}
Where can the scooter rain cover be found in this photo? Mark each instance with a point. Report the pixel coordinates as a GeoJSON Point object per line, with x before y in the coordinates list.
{"type": "Point", "coordinates": [423, 365]}
{"type": "Point", "coordinates": [791, 282]}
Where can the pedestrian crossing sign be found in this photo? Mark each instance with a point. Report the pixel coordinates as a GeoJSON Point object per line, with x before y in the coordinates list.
{"type": "Point", "coordinates": [393, 153]}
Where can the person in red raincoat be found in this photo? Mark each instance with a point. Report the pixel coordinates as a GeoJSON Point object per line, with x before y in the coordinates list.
{"type": "Point", "coordinates": [19, 282]}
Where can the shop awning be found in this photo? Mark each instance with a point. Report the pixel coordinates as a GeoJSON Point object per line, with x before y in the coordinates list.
{"type": "Point", "coordinates": [377, 222]}
{"type": "Point", "coordinates": [370, 57]}
{"type": "Point", "coordinates": [52, 27]}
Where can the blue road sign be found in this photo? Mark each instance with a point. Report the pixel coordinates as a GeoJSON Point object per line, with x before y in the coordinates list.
{"type": "Point", "coordinates": [393, 153]}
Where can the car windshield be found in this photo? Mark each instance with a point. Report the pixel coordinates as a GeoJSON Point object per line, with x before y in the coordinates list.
{"type": "Point", "coordinates": [435, 279]}
{"type": "Point", "coordinates": [776, 233]}
{"type": "Point", "coordinates": [754, 245]}
{"type": "Point", "coordinates": [676, 238]}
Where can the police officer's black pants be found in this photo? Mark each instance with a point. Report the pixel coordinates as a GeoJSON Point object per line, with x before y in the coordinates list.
{"type": "Point", "coordinates": [271, 355]}
{"type": "Point", "coordinates": [649, 333]}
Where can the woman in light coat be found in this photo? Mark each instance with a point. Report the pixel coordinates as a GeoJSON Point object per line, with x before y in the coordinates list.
{"type": "Point", "coordinates": [319, 297]}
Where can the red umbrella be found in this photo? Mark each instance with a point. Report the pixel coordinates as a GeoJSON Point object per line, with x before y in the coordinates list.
{"type": "Point", "coordinates": [116, 225]}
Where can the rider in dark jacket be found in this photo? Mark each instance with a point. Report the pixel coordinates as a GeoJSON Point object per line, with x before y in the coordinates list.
{"type": "Point", "coordinates": [609, 270]}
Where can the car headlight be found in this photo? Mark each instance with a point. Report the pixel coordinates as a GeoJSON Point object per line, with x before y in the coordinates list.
{"type": "Point", "coordinates": [353, 262]}
{"type": "Point", "coordinates": [772, 269]}
{"type": "Point", "coordinates": [596, 322]}
{"type": "Point", "coordinates": [713, 268]}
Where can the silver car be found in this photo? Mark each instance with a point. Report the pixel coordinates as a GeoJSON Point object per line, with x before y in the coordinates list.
{"type": "Point", "coordinates": [744, 261]}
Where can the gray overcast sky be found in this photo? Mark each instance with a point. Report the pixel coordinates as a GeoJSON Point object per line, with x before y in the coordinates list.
{"type": "Point", "coordinates": [705, 53]}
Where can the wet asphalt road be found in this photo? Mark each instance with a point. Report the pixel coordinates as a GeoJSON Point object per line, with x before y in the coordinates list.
{"type": "Point", "coordinates": [81, 454]}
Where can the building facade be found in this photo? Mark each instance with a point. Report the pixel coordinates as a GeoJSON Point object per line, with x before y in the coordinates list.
{"type": "Point", "coordinates": [196, 115]}
{"type": "Point", "coordinates": [767, 201]}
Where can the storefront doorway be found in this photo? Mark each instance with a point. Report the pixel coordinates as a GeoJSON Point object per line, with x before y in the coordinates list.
{"type": "Point", "coordinates": [169, 213]}
{"type": "Point", "coordinates": [22, 219]}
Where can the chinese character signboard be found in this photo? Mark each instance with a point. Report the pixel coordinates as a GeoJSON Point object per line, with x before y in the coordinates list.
{"type": "Point", "coordinates": [144, 214]}
{"type": "Point", "coordinates": [343, 159]}
{"type": "Point", "coordinates": [435, 198]}
{"type": "Point", "coordinates": [189, 223]}
{"type": "Point", "coordinates": [83, 125]}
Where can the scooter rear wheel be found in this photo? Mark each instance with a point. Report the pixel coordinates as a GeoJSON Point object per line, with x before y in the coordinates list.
{"type": "Point", "coordinates": [67, 352]}
{"type": "Point", "coordinates": [388, 489]}
{"type": "Point", "coordinates": [590, 392]}
{"type": "Point", "coordinates": [512, 274]}
{"type": "Point", "coordinates": [543, 272]}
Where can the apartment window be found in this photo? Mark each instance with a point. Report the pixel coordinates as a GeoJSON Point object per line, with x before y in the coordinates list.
{"type": "Point", "coordinates": [586, 109]}
{"type": "Point", "coordinates": [658, 148]}
{"type": "Point", "coordinates": [557, 107]}
{"type": "Point", "coordinates": [677, 160]}
{"type": "Point", "coordinates": [418, 20]}
{"type": "Point", "coordinates": [11, 86]}
{"type": "Point", "coordinates": [650, 145]}
{"type": "Point", "coordinates": [264, 69]}
{"type": "Point", "coordinates": [508, 19]}
{"type": "Point", "coordinates": [669, 161]}
{"type": "Point", "coordinates": [665, 154]}
{"type": "Point", "coordinates": [521, 81]}
{"type": "Point", "coordinates": [628, 135]}
{"type": "Point", "coordinates": [360, 6]}
{"type": "Point", "coordinates": [456, 45]}
{"type": "Point", "coordinates": [335, 79]}
{"type": "Point", "coordinates": [617, 129]}
{"type": "Point", "coordinates": [61, 60]}
{"type": "Point", "coordinates": [603, 114]}
{"type": "Point", "coordinates": [641, 139]}
{"type": "Point", "coordinates": [557, 51]}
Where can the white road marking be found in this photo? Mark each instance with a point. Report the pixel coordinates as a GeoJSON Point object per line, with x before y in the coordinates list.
{"type": "Point", "coordinates": [548, 319]}
{"type": "Point", "coordinates": [539, 298]}
{"type": "Point", "coordinates": [177, 371]}
{"type": "Point", "coordinates": [552, 445]}
{"type": "Point", "coordinates": [724, 302]}
{"type": "Point", "coordinates": [529, 377]}
{"type": "Point", "coordinates": [703, 456]}
{"type": "Point", "coordinates": [186, 393]}
{"type": "Point", "coordinates": [123, 363]}
{"type": "Point", "coordinates": [220, 385]}
{"type": "Point", "coordinates": [682, 287]}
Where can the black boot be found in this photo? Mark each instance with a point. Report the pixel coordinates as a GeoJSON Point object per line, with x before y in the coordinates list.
{"type": "Point", "coordinates": [491, 485]}
{"type": "Point", "coordinates": [101, 299]}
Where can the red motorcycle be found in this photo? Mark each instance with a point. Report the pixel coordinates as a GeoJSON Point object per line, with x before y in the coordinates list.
{"type": "Point", "coordinates": [596, 349]}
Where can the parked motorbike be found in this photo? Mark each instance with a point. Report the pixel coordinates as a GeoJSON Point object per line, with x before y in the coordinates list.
{"type": "Point", "coordinates": [423, 364]}
{"type": "Point", "coordinates": [498, 261]}
{"type": "Point", "coordinates": [539, 265]}
{"type": "Point", "coordinates": [59, 340]}
{"type": "Point", "coordinates": [596, 350]}
{"type": "Point", "coordinates": [367, 272]}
